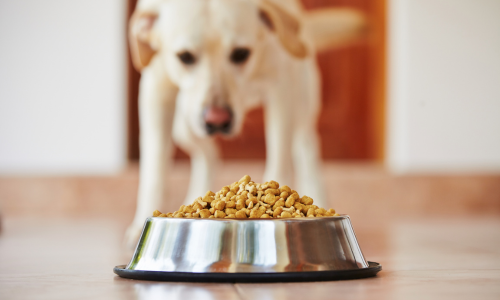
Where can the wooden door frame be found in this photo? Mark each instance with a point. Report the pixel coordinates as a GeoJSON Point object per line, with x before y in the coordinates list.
{"type": "Point", "coordinates": [133, 78]}
{"type": "Point", "coordinates": [378, 42]}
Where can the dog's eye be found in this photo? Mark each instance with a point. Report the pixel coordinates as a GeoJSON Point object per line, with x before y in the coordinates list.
{"type": "Point", "coordinates": [240, 55]}
{"type": "Point", "coordinates": [187, 57]}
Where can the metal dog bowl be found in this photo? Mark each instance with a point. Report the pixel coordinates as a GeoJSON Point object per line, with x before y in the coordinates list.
{"type": "Point", "coordinates": [250, 250]}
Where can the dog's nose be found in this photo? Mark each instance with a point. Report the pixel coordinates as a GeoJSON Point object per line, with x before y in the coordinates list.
{"type": "Point", "coordinates": [218, 119]}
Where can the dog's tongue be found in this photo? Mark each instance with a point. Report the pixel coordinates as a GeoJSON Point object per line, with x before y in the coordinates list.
{"type": "Point", "coordinates": [217, 116]}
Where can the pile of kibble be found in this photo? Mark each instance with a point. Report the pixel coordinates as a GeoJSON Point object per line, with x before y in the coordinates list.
{"type": "Point", "coordinates": [246, 199]}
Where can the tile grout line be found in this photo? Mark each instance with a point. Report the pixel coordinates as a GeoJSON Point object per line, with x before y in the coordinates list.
{"type": "Point", "coordinates": [238, 291]}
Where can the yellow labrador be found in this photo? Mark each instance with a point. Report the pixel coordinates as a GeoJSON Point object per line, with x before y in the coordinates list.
{"type": "Point", "coordinates": [205, 63]}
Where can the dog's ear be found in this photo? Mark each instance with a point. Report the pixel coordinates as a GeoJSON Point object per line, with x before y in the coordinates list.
{"type": "Point", "coordinates": [331, 28]}
{"type": "Point", "coordinates": [286, 27]}
{"type": "Point", "coordinates": [141, 25]}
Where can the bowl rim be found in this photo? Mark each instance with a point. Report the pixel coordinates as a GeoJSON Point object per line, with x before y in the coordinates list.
{"type": "Point", "coordinates": [306, 219]}
{"type": "Point", "coordinates": [248, 277]}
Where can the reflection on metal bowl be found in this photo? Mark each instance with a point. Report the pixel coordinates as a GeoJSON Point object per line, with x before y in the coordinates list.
{"type": "Point", "coordinates": [248, 246]}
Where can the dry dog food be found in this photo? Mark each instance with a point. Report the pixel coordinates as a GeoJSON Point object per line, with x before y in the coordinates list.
{"type": "Point", "coordinates": [246, 199]}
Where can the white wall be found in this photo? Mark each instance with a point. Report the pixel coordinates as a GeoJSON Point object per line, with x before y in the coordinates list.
{"type": "Point", "coordinates": [444, 85]}
{"type": "Point", "coordinates": [62, 86]}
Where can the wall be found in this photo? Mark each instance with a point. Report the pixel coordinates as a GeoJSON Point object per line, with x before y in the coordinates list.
{"type": "Point", "coordinates": [444, 85]}
{"type": "Point", "coordinates": [62, 93]}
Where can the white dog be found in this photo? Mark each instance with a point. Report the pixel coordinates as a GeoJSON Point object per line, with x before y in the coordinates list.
{"type": "Point", "coordinates": [205, 63]}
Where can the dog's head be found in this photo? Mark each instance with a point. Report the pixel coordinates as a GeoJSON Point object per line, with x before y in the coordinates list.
{"type": "Point", "coordinates": [216, 52]}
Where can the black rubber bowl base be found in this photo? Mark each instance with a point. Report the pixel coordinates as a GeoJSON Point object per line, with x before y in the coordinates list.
{"type": "Point", "coordinates": [371, 271]}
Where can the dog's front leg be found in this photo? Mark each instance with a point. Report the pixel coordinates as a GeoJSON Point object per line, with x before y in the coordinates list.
{"type": "Point", "coordinates": [308, 172]}
{"type": "Point", "coordinates": [203, 152]}
{"type": "Point", "coordinates": [306, 140]}
{"type": "Point", "coordinates": [156, 112]}
{"type": "Point", "coordinates": [291, 136]}
{"type": "Point", "coordinates": [279, 130]}
{"type": "Point", "coordinates": [204, 160]}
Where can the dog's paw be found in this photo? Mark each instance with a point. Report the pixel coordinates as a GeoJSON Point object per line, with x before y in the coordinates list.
{"type": "Point", "coordinates": [132, 236]}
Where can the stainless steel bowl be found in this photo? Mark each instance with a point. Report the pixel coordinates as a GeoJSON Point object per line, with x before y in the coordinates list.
{"type": "Point", "coordinates": [248, 246]}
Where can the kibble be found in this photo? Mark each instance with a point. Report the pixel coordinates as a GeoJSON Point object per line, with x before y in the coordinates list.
{"type": "Point", "coordinates": [246, 199]}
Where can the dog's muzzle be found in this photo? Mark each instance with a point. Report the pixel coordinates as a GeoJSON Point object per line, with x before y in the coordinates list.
{"type": "Point", "coordinates": [218, 119]}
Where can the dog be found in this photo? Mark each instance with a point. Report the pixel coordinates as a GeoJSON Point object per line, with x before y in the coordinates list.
{"type": "Point", "coordinates": [206, 63]}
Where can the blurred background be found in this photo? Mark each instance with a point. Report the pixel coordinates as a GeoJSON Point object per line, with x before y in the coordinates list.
{"type": "Point", "coordinates": [410, 123]}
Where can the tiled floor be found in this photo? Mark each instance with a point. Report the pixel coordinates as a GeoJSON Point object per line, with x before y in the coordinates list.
{"type": "Point", "coordinates": [422, 259]}
{"type": "Point", "coordinates": [358, 189]}
{"type": "Point", "coordinates": [437, 237]}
